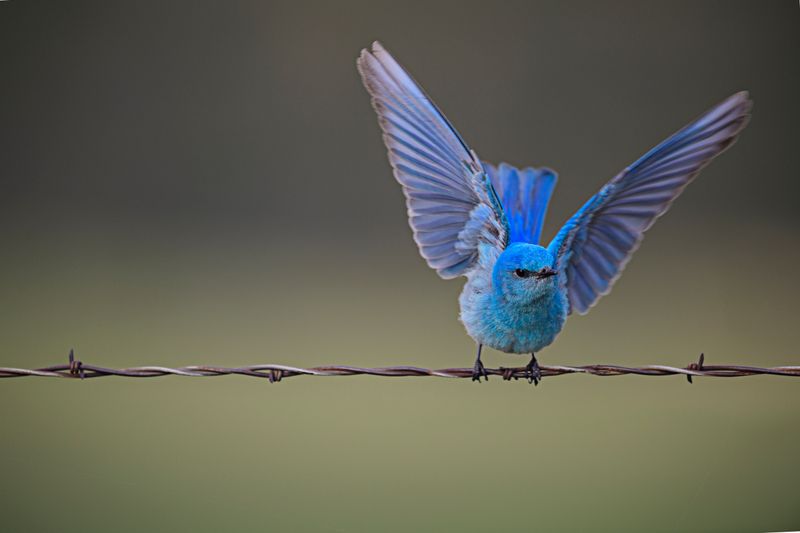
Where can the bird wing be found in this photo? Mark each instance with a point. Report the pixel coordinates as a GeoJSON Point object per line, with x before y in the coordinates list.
{"type": "Point", "coordinates": [594, 245]}
{"type": "Point", "coordinates": [452, 206]}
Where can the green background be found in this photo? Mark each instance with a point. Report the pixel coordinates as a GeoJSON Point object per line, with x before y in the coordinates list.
{"type": "Point", "coordinates": [197, 183]}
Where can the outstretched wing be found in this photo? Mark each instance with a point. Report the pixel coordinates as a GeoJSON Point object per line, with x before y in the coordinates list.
{"type": "Point", "coordinates": [595, 244]}
{"type": "Point", "coordinates": [452, 207]}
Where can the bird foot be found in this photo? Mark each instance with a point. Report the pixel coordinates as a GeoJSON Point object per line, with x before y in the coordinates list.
{"type": "Point", "coordinates": [479, 371]}
{"type": "Point", "coordinates": [532, 372]}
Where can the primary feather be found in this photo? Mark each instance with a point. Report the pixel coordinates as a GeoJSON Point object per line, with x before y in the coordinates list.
{"type": "Point", "coordinates": [595, 244]}
{"type": "Point", "coordinates": [451, 205]}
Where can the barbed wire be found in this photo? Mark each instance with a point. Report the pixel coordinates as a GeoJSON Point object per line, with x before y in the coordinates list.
{"type": "Point", "coordinates": [274, 373]}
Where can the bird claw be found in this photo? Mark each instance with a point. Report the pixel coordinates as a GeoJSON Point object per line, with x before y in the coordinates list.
{"type": "Point", "coordinates": [533, 373]}
{"type": "Point", "coordinates": [479, 371]}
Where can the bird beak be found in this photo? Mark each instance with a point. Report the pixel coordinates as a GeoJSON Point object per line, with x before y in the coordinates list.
{"type": "Point", "coordinates": [546, 272]}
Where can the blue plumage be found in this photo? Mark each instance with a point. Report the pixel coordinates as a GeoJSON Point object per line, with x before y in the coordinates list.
{"type": "Point", "coordinates": [484, 222]}
{"type": "Point", "coordinates": [525, 195]}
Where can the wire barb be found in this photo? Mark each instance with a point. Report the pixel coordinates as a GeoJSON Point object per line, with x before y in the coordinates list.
{"type": "Point", "coordinates": [75, 366]}
{"type": "Point", "coordinates": [698, 366]}
{"type": "Point", "coordinates": [275, 373]}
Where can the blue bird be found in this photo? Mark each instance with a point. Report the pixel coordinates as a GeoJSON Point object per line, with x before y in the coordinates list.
{"type": "Point", "coordinates": [481, 221]}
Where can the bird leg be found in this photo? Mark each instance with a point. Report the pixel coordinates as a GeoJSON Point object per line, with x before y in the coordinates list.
{"type": "Point", "coordinates": [478, 370]}
{"type": "Point", "coordinates": [532, 371]}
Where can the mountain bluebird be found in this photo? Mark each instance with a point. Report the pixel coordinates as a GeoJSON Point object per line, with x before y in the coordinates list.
{"type": "Point", "coordinates": [481, 221]}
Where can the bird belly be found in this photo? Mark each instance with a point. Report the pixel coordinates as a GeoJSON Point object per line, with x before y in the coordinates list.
{"type": "Point", "coordinates": [512, 328]}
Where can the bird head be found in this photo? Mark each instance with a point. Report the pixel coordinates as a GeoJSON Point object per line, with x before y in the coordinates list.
{"type": "Point", "coordinates": [524, 273]}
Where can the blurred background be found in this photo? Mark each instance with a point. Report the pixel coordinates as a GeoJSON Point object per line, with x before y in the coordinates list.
{"type": "Point", "coordinates": [204, 183]}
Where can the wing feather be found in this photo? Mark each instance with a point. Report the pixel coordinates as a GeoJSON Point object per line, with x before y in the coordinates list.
{"type": "Point", "coordinates": [448, 196]}
{"type": "Point", "coordinates": [595, 244]}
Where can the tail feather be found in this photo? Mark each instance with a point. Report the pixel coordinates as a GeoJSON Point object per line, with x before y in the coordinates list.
{"type": "Point", "coordinates": [525, 195]}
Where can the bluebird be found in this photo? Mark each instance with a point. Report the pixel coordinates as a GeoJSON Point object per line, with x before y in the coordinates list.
{"type": "Point", "coordinates": [471, 218]}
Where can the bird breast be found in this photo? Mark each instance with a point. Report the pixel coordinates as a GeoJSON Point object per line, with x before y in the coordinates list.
{"type": "Point", "coordinates": [509, 326]}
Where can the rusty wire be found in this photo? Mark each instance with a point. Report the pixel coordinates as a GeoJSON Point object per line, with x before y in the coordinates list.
{"type": "Point", "coordinates": [77, 369]}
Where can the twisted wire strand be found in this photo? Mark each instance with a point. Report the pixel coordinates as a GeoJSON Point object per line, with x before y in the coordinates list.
{"type": "Point", "coordinates": [77, 369]}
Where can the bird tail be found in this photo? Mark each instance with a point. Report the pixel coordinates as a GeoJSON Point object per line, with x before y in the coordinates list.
{"type": "Point", "coordinates": [525, 195]}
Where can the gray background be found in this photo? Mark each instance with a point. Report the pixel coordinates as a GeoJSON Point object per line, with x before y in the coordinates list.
{"type": "Point", "coordinates": [205, 183]}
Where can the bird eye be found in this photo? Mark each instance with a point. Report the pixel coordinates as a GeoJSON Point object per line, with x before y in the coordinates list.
{"type": "Point", "coordinates": [522, 273]}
